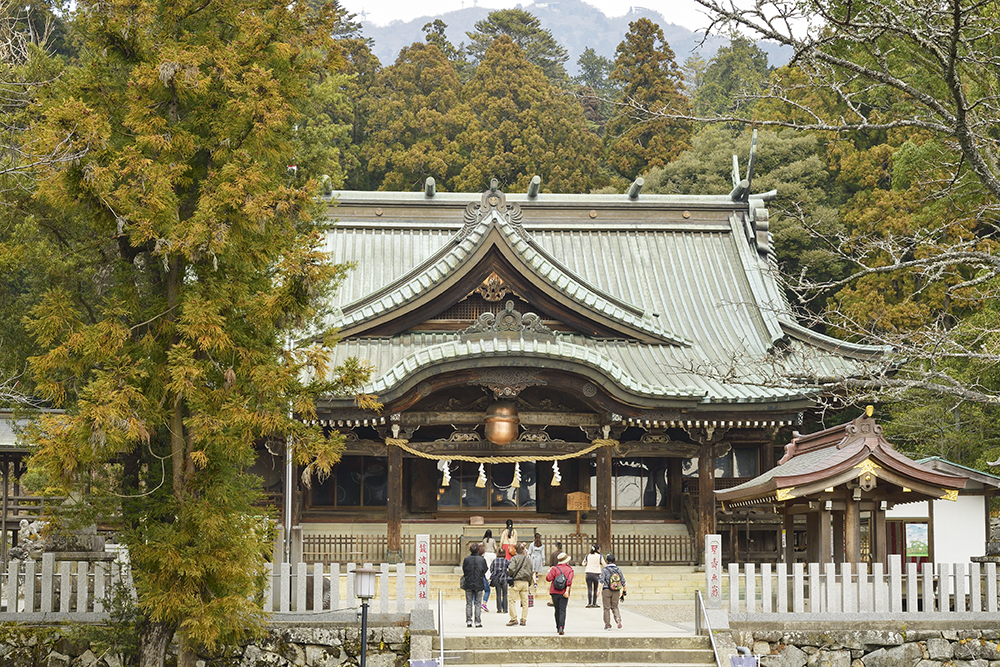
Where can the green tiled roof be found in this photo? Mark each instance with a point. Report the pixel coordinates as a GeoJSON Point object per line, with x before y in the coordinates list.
{"type": "Point", "coordinates": [687, 275]}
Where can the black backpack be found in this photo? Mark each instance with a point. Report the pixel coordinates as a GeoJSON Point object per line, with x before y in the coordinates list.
{"type": "Point", "coordinates": [559, 583]}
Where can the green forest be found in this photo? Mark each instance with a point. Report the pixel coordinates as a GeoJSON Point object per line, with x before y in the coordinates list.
{"type": "Point", "coordinates": [161, 235]}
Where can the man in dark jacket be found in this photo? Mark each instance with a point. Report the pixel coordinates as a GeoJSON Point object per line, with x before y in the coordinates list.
{"type": "Point", "coordinates": [473, 573]}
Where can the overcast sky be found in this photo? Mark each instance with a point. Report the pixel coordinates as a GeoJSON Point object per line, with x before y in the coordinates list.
{"type": "Point", "coordinates": [382, 12]}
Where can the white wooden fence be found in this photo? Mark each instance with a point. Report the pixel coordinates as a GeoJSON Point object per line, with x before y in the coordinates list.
{"type": "Point", "coordinates": [64, 588]}
{"type": "Point", "coordinates": [828, 590]}
{"type": "Point", "coordinates": [80, 590]}
{"type": "Point", "coordinates": [317, 587]}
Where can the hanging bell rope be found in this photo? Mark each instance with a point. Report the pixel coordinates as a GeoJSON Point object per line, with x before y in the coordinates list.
{"type": "Point", "coordinates": [594, 445]}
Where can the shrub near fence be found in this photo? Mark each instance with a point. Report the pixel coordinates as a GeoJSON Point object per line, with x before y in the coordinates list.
{"type": "Point", "coordinates": [450, 550]}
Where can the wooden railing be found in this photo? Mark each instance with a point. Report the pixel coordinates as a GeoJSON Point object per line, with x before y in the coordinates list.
{"type": "Point", "coordinates": [827, 590]}
{"type": "Point", "coordinates": [450, 550]}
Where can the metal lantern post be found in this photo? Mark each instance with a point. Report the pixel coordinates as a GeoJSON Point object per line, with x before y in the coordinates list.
{"type": "Point", "coordinates": [364, 588]}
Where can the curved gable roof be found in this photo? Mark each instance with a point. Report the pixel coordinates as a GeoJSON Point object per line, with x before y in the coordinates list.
{"type": "Point", "coordinates": [498, 226]}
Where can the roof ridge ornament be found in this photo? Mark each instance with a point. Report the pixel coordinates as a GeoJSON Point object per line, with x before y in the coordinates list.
{"type": "Point", "coordinates": [508, 321]}
{"type": "Point", "coordinates": [492, 200]}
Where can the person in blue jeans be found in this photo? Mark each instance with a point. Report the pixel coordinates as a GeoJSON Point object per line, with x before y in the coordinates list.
{"type": "Point", "coordinates": [488, 556]}
{"type": "Point", "coordinates": [474, 574]}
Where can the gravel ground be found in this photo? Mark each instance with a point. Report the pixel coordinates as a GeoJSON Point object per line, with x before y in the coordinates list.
{"type": "Point", "coordinates": [680, 614]}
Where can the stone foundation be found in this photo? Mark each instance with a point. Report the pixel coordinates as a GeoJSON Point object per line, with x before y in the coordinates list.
{"type": "Point", "coordinates": [899, 647]}
{"type": "Point", "coordinates": [319, 646]}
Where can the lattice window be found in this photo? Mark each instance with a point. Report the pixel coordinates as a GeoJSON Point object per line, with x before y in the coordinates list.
{"type": "Point", "coordinates": [475, 305]}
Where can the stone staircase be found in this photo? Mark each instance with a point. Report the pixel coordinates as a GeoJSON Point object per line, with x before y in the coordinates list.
{"type": "Point", "coordinates": [596, 651]}
{"type": "Point", "coordinates": [649, 582]}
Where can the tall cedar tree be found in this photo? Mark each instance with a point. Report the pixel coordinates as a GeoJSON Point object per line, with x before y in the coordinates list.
{"type": "Point", "coordinates": [650, 83]}
{"type": "Point", "coordinates": [538, 45]}
{"type": "Point", "coordinates": [416, 119]}
{"type": "Point", "coordinates": [735, 75]}
{"type": "Point", "coordinates": [521, 126]}
{"type": "Point", "coordinates": [207, 259]}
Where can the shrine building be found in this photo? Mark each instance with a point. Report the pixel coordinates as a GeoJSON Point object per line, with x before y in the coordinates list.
{"type": "Point", "coordinates": [527, 346]}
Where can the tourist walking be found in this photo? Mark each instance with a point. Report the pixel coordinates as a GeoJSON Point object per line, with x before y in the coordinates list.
{"type": "Point", "coordinates": [553, 561]}
{"type": "Point", "coordinates": [473, 576]}
{"type": "Point", "coordinates": [498, 581]}
{"type": "Point", "coordinates": [593, 565]}
{"type": "Point", "coordinates": [536, 554]}
{"type": "Point", "coordinates": [520, 573]}
{"type": "Point", "coordinates": [508, 537]}
{"type": "Point", "coordinates": [561, 578]}
{"type": "Point", "coordinates": [612, 589]}
{"type": "Point", "coordinates": [489, 552]}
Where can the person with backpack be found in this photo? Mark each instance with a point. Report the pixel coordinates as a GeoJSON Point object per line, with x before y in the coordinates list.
{"type": "Point", "coordinates": [520, 574]}
{"type": "Point", "coordinates": [498, 581]}
{"type": "Point", "coordinates": [612, 588]}
{"type": "Point", "coordinates": [561, 578]}
{"type": "Point", "coordinates": [593, 565]}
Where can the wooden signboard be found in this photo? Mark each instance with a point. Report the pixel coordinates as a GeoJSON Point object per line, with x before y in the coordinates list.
{"type": "Point", "coordinates": [579, 501]}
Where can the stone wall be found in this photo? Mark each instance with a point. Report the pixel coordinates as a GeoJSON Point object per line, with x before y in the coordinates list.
{"type": "Point", "coordinates": [898, 647]}
{"type": "Point", "coordinates": [318, 646]}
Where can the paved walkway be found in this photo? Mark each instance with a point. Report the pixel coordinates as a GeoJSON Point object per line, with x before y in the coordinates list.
{"type": "Point", "coordinates": [639, 619]}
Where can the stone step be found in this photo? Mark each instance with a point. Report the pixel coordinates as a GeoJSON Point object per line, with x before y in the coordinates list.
{"type": "Point", "coordinates": [553, 641]}
{"type": "Point", "coordinates": [587, 656]}
{"type": "Point", "coordinates": [566, 651]}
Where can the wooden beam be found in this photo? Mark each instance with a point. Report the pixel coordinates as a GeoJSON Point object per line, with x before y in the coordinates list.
{"type": "Point", "coordinates": [526, 418]}
{"type": "Point", "coordinates": [394, 506]}
{"type": "Point", "coordinates": [604, 498]}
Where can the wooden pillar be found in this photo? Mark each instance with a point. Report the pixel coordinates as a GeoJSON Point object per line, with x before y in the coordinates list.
{"type": "Point", "coordinates": [604, 498]}
{"type": "Point", "coordinates": [838, 537]}
{"type": "Point", "coordinates": [675, 487]}
{"type": "Point", "coordinates": [3, 532]}
{"type": "Point", "coordinates": [852, 531]}
{"type": "Point", "coordinates": [931, 551]}
{"type": "Point", "coordinates": [788, 522]}
{"type": "Point", "coordinates": [825, 536]}
{"type": "Point", "coordinates": [812, 538]}
{"type": "Point", "coordinates": [583, 476]}
{"type": "Point", "coordinates": [734, 544]}
{"type": "Point", "coordinates": [880, 551]}
{"type": "Point", "coordinates": [394, 504]}
{"type": "Point", "coordinates": [706, 492]}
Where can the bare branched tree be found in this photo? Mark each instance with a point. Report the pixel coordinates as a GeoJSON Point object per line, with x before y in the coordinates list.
{"type": "Point", "coordinates": [940, 58]}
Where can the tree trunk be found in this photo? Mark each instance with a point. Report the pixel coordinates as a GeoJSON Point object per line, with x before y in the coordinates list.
{"type": "Point", "coordinates": [186, 656]}
{"type": "Point", "coordinates": [154, 638]}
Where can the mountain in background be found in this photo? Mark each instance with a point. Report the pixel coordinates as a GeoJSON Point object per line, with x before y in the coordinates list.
{"type": "Point", "coordinates": [574, 24]}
